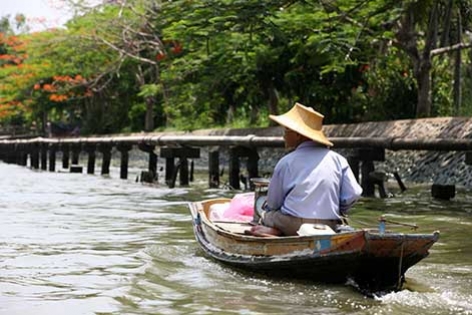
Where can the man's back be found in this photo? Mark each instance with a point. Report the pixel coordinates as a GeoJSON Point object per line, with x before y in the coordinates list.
{"type": "Point", "coordinates": [311, 182]}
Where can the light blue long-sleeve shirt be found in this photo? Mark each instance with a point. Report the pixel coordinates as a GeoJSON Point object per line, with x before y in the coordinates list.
{"type": "Point", "coordinates": [313, 182]}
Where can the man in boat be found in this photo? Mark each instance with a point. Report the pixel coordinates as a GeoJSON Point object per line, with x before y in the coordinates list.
{"type": "Point", "coordinates": [311, 184]}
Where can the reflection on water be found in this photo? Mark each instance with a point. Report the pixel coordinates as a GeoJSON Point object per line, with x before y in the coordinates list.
{"type": "Point", "coordinates": [81, 244]}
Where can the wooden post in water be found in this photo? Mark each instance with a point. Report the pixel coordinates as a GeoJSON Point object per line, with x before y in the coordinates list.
{"type": "Point", "coordinates": [233, 169]}
{"type": "Point", "coordinates": [75, 167]}
{"type": "Point", "coordinates": [105, 149]}
{"type": "Point", "coordinates": [368, 187]}
{"type": "Point", "coordinates": [12, 154]}
{"type": "Point", "coordinates": [7, 153]}
{"type": "Point", "coordinates": [34, 149]}
{"type": "Point", "coordinates": [15, 154]}
{"type": "Point", "coordinates": [152, 164]}
{"type": "Point", "coordinates": [124, 150]}
{"type": "Point", "coordinates": [90, 149]}
{"type": "Point", "coordinates": [214, 169]}
{"type": "Point", "coordinates": [354, 164]}
{"type": "Point", "coordinates": [367, 156]}
{"type": "Point", "coordinates": [192, 165]}
{"type": "Point", "coordinates": [184, 178]}
{"type": "Point", "coordinates": [183, 154]}
{"type": "Point", "coordinates": [23, 155]}
{"type": "Point", "coordinates": [234, 166]}
{"type": "Point", "coordinates": [65, 148]}
{"type": "Point", "coordinates": [52, 157]}
{"type": "Point", "coordinates": [44, 156]}
{"type": "Point", "coordinates": [75, 148]}
{"type": "Point", "coordinates": [170, 169]}
{"type": "Point", "coordinates": [252, 166]}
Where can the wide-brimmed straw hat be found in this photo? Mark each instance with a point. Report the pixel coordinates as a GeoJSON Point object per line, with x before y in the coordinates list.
{"type": "Point", "coordinates": [305, 121]}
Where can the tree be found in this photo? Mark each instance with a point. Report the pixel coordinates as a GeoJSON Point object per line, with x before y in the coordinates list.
{"type": "Point", "coordinates": [422, 49]}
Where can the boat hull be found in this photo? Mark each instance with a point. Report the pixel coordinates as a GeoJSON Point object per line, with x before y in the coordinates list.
{"type": "Point", "coordinates": [375, 261]}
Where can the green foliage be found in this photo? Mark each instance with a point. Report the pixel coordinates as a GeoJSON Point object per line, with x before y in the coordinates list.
{"type": "Point", "coordinates": [389, 91]}
{"type": "Point", "coordinates": [136, 116]}
{"type": "Point", "coordinates": [196, 64]}
{"type": "Point", "coordinates": [442, 88]}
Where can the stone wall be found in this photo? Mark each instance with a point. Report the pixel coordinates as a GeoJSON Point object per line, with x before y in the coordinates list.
{"type": "Point", "coordinates": [419, 166]}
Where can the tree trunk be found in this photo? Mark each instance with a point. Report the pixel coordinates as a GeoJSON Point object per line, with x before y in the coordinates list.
{"type": "Point", "coordinates": [423, 78]}
{"type": "Point", "coordinates": [44, 123]}
{"type": "Point", "coordinates": [230, 114]}
{"type": "Point", "coordinates": [407, 41]}
{"type": "Point", "coordinates": [254, 114]}
{"type": "Point", "coordinates": [273, 103]}
{"type": "Point", "coordinates": [149, 119]}
{"type": "Point", "coordinates": [423, 108]}
{"type": "Point", "coordinates": [457, 70]}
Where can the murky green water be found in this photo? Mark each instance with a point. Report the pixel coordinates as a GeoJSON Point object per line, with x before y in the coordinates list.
{"type": "Point", "coordinates": [81, 244]}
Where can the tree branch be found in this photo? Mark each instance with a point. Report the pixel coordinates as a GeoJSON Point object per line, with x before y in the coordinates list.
{"type": "Point", "coordinates": [124, 52]}
{"type": "Point", "coordinates": [443, 50]}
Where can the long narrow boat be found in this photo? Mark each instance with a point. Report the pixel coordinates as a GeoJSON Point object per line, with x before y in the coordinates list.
{"type": "Point", "coordinates": [374, 259]}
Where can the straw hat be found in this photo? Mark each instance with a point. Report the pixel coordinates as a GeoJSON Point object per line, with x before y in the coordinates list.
{"type": "Point", "coordinates": [305, 121]}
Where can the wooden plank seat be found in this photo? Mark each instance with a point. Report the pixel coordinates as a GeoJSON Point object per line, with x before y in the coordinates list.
{"type": "Point", "coordinates": [237, 227]}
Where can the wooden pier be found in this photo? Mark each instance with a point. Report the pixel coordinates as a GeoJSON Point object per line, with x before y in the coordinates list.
{"type": "Point", "coordinates": [41, 152]}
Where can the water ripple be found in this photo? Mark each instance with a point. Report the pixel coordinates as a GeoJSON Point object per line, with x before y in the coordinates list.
{"type": "Point", "coordinates": [81, 244]}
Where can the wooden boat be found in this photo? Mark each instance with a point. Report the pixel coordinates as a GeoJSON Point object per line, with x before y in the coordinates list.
{"type": "Point", "coordinates": [374, 259]}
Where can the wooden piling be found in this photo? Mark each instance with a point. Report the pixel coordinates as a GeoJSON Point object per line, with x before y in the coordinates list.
{"type": "Point", "coordinates": [124, 150]}
{"type": "Point", "coordinates": [170, 169]}
{"type": "Point", "coordinates": [354, 165]}
{"type": "Point", "coordinates": [184, 174]}
{"type": "Point", "coordinates": [171, 181]}
{"type": "Point", "coordinates": [379, 179]}
{"type": "Point", "coordinates": [23, 158]}
{"type": "Point", "coordinates": [105, 150]}
{"type": "Point", "coordinates": [34, 149]}
{"type": "Point", "coordinates": [366, 156]}
{"type": "Point", "coordinates": [52, 158]}
{"type": "Point", "coordinates": [44, 156]}
{"type": "Point", "coordinates": [235, 177]}
{"type": "Point", "coordinates": [214, 169]}
{"type": "Point", "coordinates": [7, 154]}
{"type": "Point", "coordinates": [192, 168]}
{"type": "Point", "coordinates": [152, 164]}
{"type": "Point", "coordinates": [233, 169]}
{"type": "Point", "coordinates": [183, 154]}
{"type": "Point", "coordinates": [368, 187]}
{"type": "Point", "coordinates": [252, 167]}
{"type": "Point", "coordinates": [22, 154]}
{"type": "Point", "coordinates": [76, 148]}
{"type": "Point", "coordinates": [90, 149]}
{"type": "Point", "coordinates": [399, 181]}
{"type": "Point", "coordinates": [65, 148]}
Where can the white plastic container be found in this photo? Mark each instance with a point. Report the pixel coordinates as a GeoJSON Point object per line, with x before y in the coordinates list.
{"type": "Point", "coordinates": [308, 229]}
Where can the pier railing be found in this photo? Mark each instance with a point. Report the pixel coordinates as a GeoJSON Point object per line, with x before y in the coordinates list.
{"type": "Point", "coordinates": [388, 143]}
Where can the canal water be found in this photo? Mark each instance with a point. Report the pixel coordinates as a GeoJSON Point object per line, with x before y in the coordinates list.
{"type": "Point", "coordinates": [82, 244]}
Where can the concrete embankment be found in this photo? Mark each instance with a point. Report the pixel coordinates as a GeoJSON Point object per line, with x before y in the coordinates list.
{"type": "Point", "coordinates": [439, 167]}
